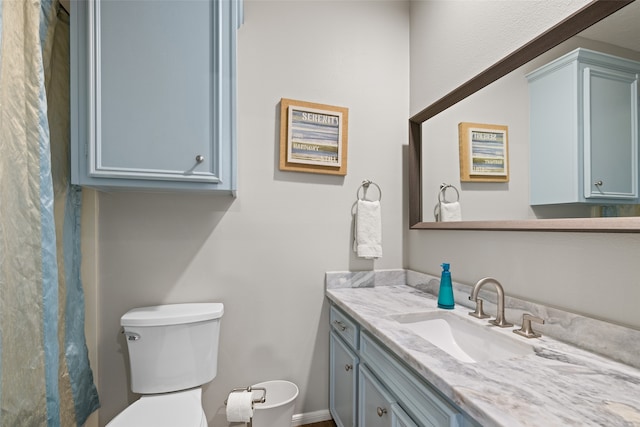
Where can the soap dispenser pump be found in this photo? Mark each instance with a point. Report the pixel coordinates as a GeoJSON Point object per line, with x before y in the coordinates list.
{"type": "Point", "coordinates": [445, 295]}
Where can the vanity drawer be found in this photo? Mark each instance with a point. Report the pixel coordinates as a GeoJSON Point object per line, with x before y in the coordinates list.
{"type": "Point", "coordinates": [419, 399]}
{"type": "Point", "coordinates": [344, 327]}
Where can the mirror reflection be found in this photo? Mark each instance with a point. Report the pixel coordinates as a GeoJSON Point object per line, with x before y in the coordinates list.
{"type": "Point", "coordinates": [506, 102]}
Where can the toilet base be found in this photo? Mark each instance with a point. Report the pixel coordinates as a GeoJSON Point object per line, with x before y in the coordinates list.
{"type": "Point", "coordinates": [181, 408]}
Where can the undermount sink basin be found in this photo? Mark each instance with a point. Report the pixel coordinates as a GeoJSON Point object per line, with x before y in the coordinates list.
{"type": "Point", "coordinates": [462, 338]}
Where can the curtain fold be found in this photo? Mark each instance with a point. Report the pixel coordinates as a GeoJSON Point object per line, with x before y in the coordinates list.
{"type": "Point", "coordinates": [45, 377]}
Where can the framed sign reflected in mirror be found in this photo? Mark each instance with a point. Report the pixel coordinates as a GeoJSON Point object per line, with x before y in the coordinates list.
{"type": "Point", "coordinates": [484, 154]}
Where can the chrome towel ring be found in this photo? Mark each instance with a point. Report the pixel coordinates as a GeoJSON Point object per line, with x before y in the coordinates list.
{"type": "Point", "coordinates": [364, 187]}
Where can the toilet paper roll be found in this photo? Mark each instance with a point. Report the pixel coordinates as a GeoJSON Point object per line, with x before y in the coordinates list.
{"type": "Point", "coordinates": [239, 407]}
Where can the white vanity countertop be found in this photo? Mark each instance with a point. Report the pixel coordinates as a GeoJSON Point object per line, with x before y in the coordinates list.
{"type": "Point", "coordinates": [558, 385]}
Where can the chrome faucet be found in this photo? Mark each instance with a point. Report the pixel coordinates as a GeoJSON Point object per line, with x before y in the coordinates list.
{"type": "Point", "coordinates": [499, 320]}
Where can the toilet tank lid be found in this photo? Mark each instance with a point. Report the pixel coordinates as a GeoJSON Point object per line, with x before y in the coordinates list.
{"type": "Point", "coordinates": [172, 314]}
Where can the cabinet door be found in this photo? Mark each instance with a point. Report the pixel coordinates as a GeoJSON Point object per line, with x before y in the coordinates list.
{"type": "Point", "coordinates": [374, 402]}
{"type": "Point", "coordinates": [155, 96]}
{"type": "Point", "coordinates": [343, 382]}
{"type": "Point", "coordinates": [610, 134]}
{"type": "Point", "coordinates": [399, 418]}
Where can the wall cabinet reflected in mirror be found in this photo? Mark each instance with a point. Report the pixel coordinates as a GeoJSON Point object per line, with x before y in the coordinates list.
{"type": "Point", "coordinates": [584, 130]}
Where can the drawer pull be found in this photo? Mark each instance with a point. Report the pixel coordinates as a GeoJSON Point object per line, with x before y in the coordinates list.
{"type": "Point", "coordinates": [381, 411]}
{"type": "Point", "coordinates": [340, 325]}
{"type": "Point", "coordinates": [348, 367]}
{"type": "Point", "coordinates": [199, 158]}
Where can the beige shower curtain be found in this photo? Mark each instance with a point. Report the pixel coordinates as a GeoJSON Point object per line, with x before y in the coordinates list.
{"type": "Point", "coordinates": [45, 378]}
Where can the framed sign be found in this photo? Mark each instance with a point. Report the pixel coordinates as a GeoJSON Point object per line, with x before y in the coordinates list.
{"type": "Point", "coordinates": [313, 137]}
{"type": "Point", "coordinates": [484, 152]}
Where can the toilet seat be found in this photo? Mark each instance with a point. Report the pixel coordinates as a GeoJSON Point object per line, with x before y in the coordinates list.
{"type": "Point", "coordinates": [179, 409]}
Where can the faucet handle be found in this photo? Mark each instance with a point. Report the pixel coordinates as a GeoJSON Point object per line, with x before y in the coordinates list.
{"type": "Point", "coordinates": [478, 312]}
{"type": "Point", "coordinates": [526, 330]}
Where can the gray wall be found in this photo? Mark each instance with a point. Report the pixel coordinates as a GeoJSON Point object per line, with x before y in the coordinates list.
{"type": "Point", "coordinates": [265, 253]}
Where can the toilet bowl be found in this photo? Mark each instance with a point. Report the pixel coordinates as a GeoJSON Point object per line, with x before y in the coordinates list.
{"type": "Point", "coordinates": [173, 351]}
{"type": "Point", "coordinates": [183, 409]}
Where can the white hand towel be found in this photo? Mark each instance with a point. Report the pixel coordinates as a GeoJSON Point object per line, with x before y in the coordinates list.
{"type": "Point", "coordinates": [368, 230]}
{"type": "Point", "coordinates": [451, 211]}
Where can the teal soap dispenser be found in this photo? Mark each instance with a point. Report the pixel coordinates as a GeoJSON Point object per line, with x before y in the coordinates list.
{"type": "Point", "coordinates": [445, 295]}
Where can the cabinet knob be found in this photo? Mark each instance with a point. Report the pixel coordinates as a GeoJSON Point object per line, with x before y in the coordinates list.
{"type": "Point", "coordinates": [598, 183]}
{"type": "Point", "coordinates": [381, 411]}
{"type": "Point", "coordinates": [340, 325]}
{"type": "Point", "coordinates": [348, 367]}
{"type": "Point", "coordinates": [199, 158]}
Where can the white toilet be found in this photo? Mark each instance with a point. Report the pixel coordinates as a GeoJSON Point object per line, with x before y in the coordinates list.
{"type": "Point", "coordinates": [173, 351]}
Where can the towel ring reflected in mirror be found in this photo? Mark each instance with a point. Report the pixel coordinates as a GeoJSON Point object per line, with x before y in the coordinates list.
{"type": "Point", "coordinates": [442, 195]}
{"type": "Point", "coordinates": [364, 187]}
{"type": "Point", "coordinates": [442, 198]}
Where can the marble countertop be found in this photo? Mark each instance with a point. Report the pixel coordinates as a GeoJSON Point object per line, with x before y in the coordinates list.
{"type": "Point", "coordinates": [557, 385]}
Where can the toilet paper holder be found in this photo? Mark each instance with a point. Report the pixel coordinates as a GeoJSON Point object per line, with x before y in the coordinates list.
{"type": "Point", "coordinates": [250, 389]}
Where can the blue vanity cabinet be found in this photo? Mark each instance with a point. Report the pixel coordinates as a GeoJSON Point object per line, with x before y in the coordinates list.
{"type": "Point", "coordinates": [154, 94]}
{"type": "Point", "coordinates": [376, 407]}
{"type": "Point", "coordinates": [385, 392]}
{"type": "Point", "coordinates": [418, 399]}
{"type": "Point", "coordinates": [584, 130]}
{"type": "Point", "coordinates": [399, 418]}
{"type": "Point", "coordinates": [343, 369]}
{"type": "Point", "coordinates": [342, 382]}
{"type": "Point", "coordinates": [374, 402]}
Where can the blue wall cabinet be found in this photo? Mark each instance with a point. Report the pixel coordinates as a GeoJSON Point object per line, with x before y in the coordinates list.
{"type": "Point", "coordinates": [154, 94]}
{"type": "Point", "coordinates": [584, 130]}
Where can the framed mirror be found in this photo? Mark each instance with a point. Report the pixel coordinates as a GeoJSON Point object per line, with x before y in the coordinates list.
{"type": "Point", "coordinates": [421, 215]}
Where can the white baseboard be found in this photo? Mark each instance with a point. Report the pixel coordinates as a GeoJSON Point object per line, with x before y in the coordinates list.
{"type": "Point", "coordinates": [310, 418]}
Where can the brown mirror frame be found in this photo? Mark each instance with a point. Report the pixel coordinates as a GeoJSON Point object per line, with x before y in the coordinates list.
{"type": "Point", "coordinates": [569, 27]}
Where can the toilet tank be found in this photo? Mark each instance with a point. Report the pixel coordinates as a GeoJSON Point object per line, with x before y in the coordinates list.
{"type": "Point", "coordinates": [172, 347]}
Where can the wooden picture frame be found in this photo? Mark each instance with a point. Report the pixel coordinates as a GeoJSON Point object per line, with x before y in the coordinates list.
{"type": "Point", "coordinates": [484, 152]}
{"type": "Point", "coordinates": [313, 137]}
